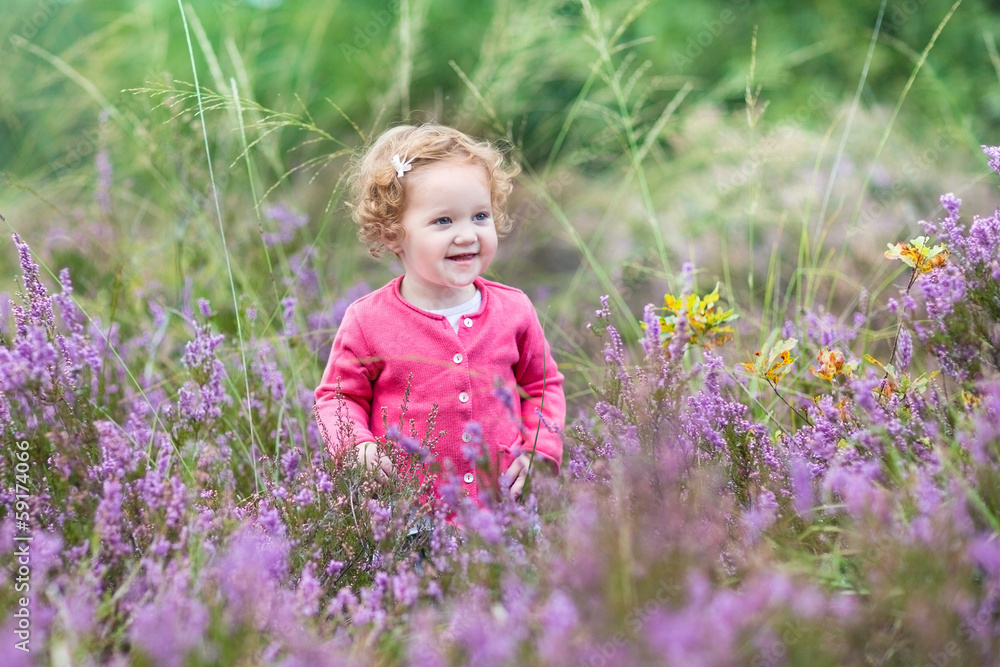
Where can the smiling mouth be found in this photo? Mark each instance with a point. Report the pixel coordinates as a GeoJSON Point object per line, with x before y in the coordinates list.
{"type": "Point", "coordinates": [462, 258]}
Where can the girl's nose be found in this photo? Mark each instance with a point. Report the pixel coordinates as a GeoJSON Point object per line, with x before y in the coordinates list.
{"type": "Point", "coordinates": [464, 234]}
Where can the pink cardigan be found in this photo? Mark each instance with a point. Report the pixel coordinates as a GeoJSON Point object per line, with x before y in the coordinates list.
{"type": "Point", "coordinates": [383, 341]}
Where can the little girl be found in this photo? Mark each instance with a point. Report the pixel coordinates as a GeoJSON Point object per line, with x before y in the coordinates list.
{"type": "Point", "coordinates": [453, 347]}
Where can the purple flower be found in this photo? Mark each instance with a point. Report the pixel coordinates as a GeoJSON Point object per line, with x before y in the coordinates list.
{"type": "Point", "coordinates": [102, 194]}
{"type": "Point", "coordinates": [473, 450]}
{"type": "Point", "coordinates": [651, 339]}
{"type": "Point", "coordinates": [484, 522]}
{"type": "Point", "coordinates": [205, 308]}
{"type": "Point", "coordinates": [270, 520]}
{"type": "Point", "coordinates": [168, 629]}
{"type": "Point", "coordinates": [381, 516]}
{"type": "Point", "coordinates": [304, 497]}
{"type": "Point", "coordinates": [904, 349]}
{"type": "Point", "coordinates": [857, 488]}
{"type": "Point", "coordinates": [993, 153]}
{"type": "Point", "coordinates": [290, 463]}
{"type": "Point", "coordinates": [39, 305]}
{"type": "Point", "coordinates": [287, 220]}
{"type": "Point", "coordinates": [288, 316]}
{"type": "Point", "coordinates": [822, 328]}
{"type": "Point", "coordinates": [803, 496]}
{"type": "Point", "coordinates": [309, 592]}
{"type": "Point", "coordinates": [505, 395]}
{"type": "Point", "coordinates": [559, 618]}
{"type": "Point", "coordinates": [200, 400]}
{"type": "Point", "coordinates": [343, 602]}
{"type": "Point", "coordinates": [325, 321]}
{"type": "Point", "coordinates": [250, 573]}
{"type": "Point", "coordinates": [409, 445]}
{"type": "Point", "coordinates": [405, 587]}
{"type": "Point", "coordinates": [761, 515]}
{"type": "Point", "coordinates": [109, 519]}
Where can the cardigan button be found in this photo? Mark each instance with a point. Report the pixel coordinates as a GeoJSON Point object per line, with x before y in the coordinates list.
{"type": "Point", "coordinates": [468, 478]}
{"type": "Point", "coordinates": [463, 397]}
{"type": "Point", "coordinates": [466, 437]}
{"type": "Point", "coordinates": [457, 358]}
{"type": "Point", "coordinates": [467, 321]}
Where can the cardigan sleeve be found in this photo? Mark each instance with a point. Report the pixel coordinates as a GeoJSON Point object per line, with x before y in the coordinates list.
{"type": "Point", "coordinates": [541, 386]}
{"type": "Point", "coordinates": [344, 395]}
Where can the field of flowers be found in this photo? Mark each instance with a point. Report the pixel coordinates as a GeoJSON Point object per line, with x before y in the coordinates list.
{"type": "Point", "coordinates": [790, 456]}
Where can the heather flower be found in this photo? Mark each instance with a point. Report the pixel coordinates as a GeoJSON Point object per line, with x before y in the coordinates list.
{"type": "Point", "coordinates": [761, 515]}
{"type": "Point", "coordinates": [904, 349]}
{"type": "Point", "coordinates": [201, 400]}
{"type": "Point", "coordinates": [250, 573]}
{"type": "Point", "coordinates": [558, 617]}
{"type": "Point", "coordinates": [993, 153]}
{"type": "Point", "coordinates": [304, 497]}
{"type": "Point", "coordinates": [71, 316]}
{"type": "Point", "coordinates": [288, 317]}
{"type": "Point", "coordinates": [343, 603]}
{"type": "Point", "coordinates": [984, 551]}
{"type": "Point", "coordinates": [620, 431]}
{"type": "Point", "coordinates": [309, 592]}
{"type": "Point", "coordinates": [370, 609]}
{"type": "Point", "coordinates": [405, 586]}
{"type": "Point", "coordinates": [473, 450]}
{"type": "Point", "coordinates": [290, 463]}
{"type": "Point", "coordinates": [264, 365]}
{"type": "Point", "coordinates": [102, 194]}
{"type": "Point", "coordinates": [35, 296]}
{"type": "Point", "coordinates": [109, 519]}
{"type": "Point", "coordinates": [801, 481]}
{"type": "Point", "coordinates": [170, 628]}
{"type": "Point", "coordinates": [323, 323]}
{"type": "Point", "coordinates": [948, 229]}
{"type": "Point", "coordinates": [303, 277]}
{"type": "Point", "coordinates": [822, 328]}
{"type": "Point", "coordinates": [485, 523]}
{"type": "Point", "coordinates": [30, 364]}
{"type": "Point", "coordinates": [651, 343]}
{"type": "Point", "coordinates": [117, 456]}
{"type": "Point", "coordinates": [942, 292]}
{"type": "Point", "coordinates": [287, 221]}
{"type": "Point", "coordinates": [413, 447]}
{"type": "Point", "coordinates": [857, 488]}
{"type": "Point", "coordinates": [381, 517]}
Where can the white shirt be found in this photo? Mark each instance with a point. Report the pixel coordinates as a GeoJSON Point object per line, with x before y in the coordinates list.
{"type": "Point", "coordinates": [455, 313]}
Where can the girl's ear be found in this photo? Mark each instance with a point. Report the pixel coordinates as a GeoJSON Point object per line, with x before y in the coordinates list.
{"type": "Point", "coordinates": [390, 239]}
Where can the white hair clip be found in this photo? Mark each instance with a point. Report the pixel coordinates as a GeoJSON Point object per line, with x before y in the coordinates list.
{"type": "Point", "coordinates": [400, 166]}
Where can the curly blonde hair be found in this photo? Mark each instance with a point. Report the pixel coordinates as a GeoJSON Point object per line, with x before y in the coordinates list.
{"type": "Point", "coordinates": [377, 195]}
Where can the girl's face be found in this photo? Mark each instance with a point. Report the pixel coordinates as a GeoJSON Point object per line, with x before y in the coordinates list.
{"type": "Point", "coordinates": [449, 236]}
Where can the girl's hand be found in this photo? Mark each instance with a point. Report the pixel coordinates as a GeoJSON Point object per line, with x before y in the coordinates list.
{"type": "Point", "coordinates": [516, 476]}
{"type": "Point", "coordinates": [368, 455]}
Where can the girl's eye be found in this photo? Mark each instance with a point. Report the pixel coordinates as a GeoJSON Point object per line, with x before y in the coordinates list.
{"type": "Point", "coordinates": [479, 217]}
{"type": "Point", "coordinates": [442, 221]}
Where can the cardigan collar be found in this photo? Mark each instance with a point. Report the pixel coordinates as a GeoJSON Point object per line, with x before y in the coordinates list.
{"type": "Point", "coordinates": [479, 282]}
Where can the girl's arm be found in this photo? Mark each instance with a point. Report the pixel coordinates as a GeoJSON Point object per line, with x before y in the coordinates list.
{"type": "Point", "coordinates": [344, 395]}
{"type": "Point", "coordinates": [543, 403]}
